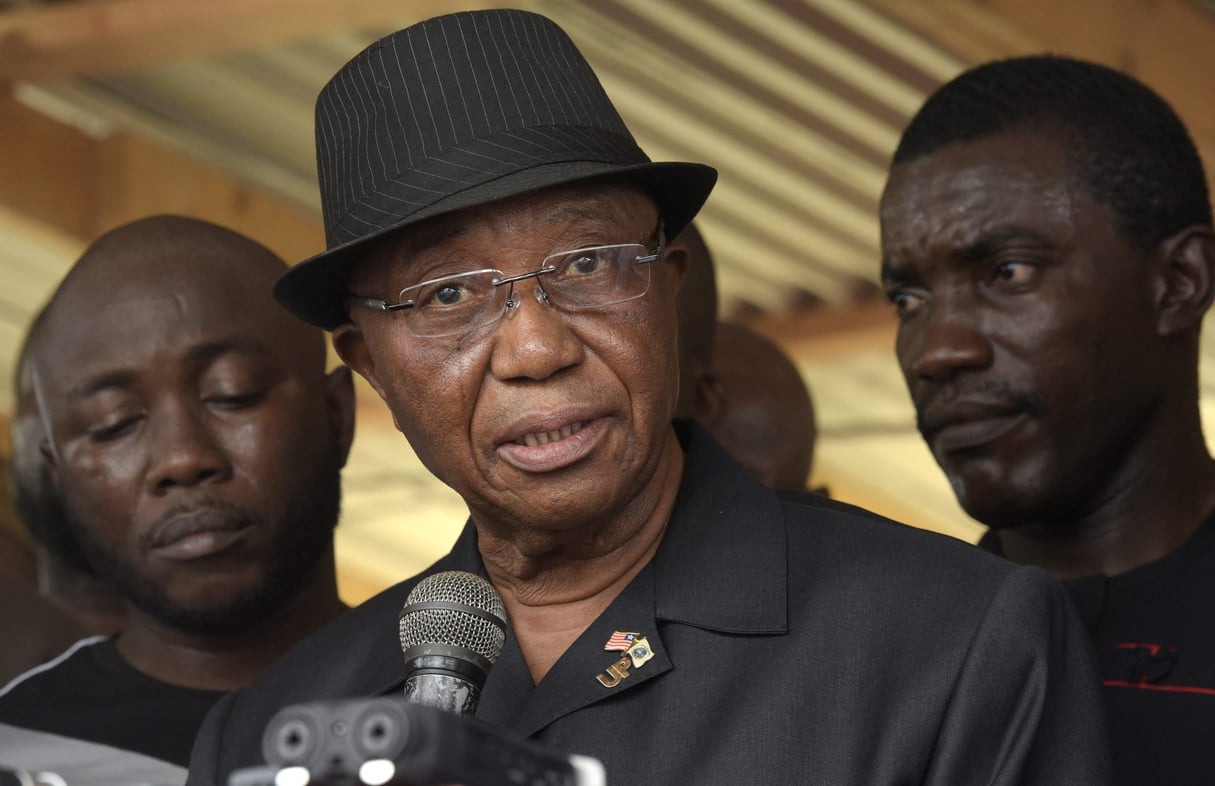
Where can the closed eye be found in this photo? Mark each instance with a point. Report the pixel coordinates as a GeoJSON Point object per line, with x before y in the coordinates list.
{"type": "Point", "coordinates": [237, 401]}
{"type": "Point", "coordinates": [113, 431]}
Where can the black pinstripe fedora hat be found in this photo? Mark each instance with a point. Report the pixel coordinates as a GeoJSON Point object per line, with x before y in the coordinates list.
{"type": "Point", "coordinates": [455, 112]}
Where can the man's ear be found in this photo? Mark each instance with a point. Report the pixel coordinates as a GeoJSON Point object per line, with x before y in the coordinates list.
{"type": "Point", "coordinates": [710, 403]}
{"type": "Point", "coordinates": [675, 263]}
{"type": "Point", "coordinates": [339, 392]}
{"type": "Point", "coordinates": [49, 459]}
{"type": "Point", "coordinates": [351, 346]}
{"type": "Point", "coordinates": [1185, 279]}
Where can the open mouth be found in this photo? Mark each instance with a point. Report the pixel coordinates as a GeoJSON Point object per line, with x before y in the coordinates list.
{"type": "Point", "coordinates": [538, 438]}
{"type": "Point", "coordinates": [553, 449]}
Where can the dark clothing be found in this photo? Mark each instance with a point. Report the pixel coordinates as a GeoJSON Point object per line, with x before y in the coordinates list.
{"type": "Point", "coordinates": [46, 629]}
{"type": "Point", "coordinates": [1156, 651]}
{"type": "Point", "coordinates": [793, 643]}
{"type": "Point", "coordinates": [90, 693]}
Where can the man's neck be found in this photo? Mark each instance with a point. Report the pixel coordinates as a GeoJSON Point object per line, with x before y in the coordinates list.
{"type": "Point", "coordinates": [1140, 522]}
{"type": "Point", "coordinates": [226, 661]}
{"type": "Point", "coordinates": [554, 585]}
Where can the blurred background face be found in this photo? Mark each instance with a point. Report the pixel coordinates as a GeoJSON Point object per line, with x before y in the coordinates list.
{"type": "Point", "coordinates": [192, 441]}
{"type": "Point", "coordinates": [766, 417]}
{"type": "Point", "coordinates": [593, 389]}
{"type": "Point", "coordinates": [1026, 332]}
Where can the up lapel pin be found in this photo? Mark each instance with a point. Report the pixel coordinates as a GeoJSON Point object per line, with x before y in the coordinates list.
{"type": "Point", "coordinates": [637, 652]}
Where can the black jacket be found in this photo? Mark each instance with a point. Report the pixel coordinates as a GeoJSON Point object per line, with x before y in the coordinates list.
{"type": "Point", "coordinates": [794, 642]}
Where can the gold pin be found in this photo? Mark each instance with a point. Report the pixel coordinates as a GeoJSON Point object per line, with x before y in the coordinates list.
{"type": "Point", "coordinates": [615, 673]}
{"type": "Point", "coordinates": [637, 652]}
{"type": "Point", "coordinates": [641, 652]}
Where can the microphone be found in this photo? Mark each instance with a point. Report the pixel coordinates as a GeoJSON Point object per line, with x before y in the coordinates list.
{"type": "Point", "coordinates": [453, 627]}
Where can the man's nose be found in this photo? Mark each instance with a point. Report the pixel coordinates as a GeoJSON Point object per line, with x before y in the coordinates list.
{"type": "Point", "coordinates": [186, 450]}
{"type": "Point", "coordinates": [946, 340]}
{"type": "Point", "coordinates": [535, 340]}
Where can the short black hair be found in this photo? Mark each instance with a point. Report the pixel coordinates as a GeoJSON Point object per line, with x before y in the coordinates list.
{"type": "Point", "coordinates": [1127, 147]}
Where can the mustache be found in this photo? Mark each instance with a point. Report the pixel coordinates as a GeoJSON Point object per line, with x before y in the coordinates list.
{"type": "Point", "coordinates": [933, 396]}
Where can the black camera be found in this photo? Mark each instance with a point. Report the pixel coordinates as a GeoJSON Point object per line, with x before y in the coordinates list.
{"type": "Point", "coordinates": [392, 741]}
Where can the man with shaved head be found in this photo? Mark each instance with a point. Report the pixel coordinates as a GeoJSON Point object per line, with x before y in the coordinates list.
{"type": "Point", "coordinates": [196, 442]}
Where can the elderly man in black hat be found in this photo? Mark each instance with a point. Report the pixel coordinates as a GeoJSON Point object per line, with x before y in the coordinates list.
{"type": "Point", "coordinates": [499, 271]}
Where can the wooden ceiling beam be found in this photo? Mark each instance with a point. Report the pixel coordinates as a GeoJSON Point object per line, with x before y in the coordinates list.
{"type": "Point", "coordinates": [80, 186]}
{"type": "Point", "coordinates": [1164, 43]}
{"type": "Point", "coordinates": [98, 37]}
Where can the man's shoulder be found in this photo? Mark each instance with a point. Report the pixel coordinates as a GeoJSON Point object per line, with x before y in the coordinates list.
{"type": "Point", "coordinates": [832, 538]}
{"type": "Point", "coordinates": [91, 695]}
{"type": "Point", "coordinates": [57, 676]}
{"type": "Point", "coordinates": [358, 654]}
{"type": "Point", "coordinates": [361, 635]}
{"type": "Point", "coordinates": [367, 634]}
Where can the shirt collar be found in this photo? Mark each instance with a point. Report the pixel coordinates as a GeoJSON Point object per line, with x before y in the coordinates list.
{"type": "Point", "coordinates": [722, 564]}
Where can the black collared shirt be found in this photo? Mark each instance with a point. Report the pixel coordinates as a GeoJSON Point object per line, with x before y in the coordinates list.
{"type": "Point", "coordinates": [1155, 641]}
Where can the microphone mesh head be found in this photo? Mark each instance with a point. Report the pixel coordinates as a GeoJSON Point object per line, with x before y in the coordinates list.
{"type": "Point", "coordinates": [465, 627]}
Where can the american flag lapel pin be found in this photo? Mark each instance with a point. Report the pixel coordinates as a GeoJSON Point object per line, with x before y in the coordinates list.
{"type": "Point", "coordinates": [620, 641]}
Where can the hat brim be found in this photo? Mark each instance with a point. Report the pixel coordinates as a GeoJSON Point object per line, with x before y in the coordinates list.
{"type": "Point", "coordinates": [315, 290]}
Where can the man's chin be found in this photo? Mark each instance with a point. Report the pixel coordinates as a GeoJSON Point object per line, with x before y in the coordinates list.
{"type": "Point", "coordinates": [1003, 510]}
{"type": "Point", "coordinates": [231, 612]}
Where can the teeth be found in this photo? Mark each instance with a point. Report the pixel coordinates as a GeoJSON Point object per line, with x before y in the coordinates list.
{"type": "Point", "coordinates": [544, 437]}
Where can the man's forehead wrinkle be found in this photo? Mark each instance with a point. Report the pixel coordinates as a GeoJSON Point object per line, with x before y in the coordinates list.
{"type": "Point", "coordinates": [425, 238]}
{"type": "Point", "coordinates": [964, 206]}
{"type": "Point", "coordinates": [582, 210]}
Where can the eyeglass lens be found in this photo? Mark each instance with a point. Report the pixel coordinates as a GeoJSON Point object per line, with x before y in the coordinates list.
{"type": "Point", "coordinates": [583, 278]}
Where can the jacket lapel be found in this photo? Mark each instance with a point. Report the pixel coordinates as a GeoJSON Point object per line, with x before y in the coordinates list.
{"type": "Point", "coordinates": [721, 566]}
{"type": "Point", "coordinates": [586, 673]}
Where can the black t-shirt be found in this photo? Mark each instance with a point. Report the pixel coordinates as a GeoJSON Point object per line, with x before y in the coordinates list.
{"type": "Point", "coordinates": [90, 693]}
{"type": "Point", "coordinates": [1153, 632]}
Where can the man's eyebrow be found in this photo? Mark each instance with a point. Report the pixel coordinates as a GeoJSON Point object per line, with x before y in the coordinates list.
{"type": "Point", "coordinates": [995, 240]}
{"type": "Point", "coordinates": [103, 381]}
{"type": "Point", "coordinates": [579, 211]}
{"type": "Point", "coordinates": [891, 273]}
{"type": "Point", "coordinates": [202, 353]}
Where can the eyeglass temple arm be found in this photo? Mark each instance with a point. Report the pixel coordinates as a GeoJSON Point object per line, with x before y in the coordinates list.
{"type": "Point", "coordinates": [376, 303]}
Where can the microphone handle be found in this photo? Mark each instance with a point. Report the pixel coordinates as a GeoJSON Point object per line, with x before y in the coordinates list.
{"type": "Point", "coordinates": [446, 692]}
{"type": "Point", "coordinates": [440, 679]}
